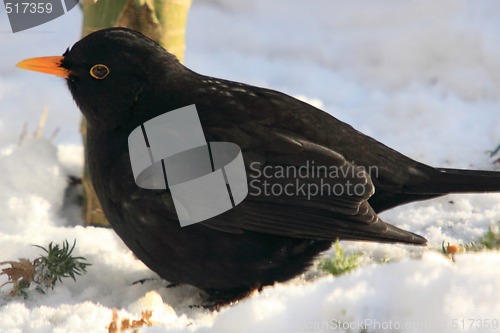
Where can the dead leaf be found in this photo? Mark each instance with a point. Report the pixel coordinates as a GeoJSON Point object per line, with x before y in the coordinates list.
{"type": "Point", "coordinates": [21, 273]}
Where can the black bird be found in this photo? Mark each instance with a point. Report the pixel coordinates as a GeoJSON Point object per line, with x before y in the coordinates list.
{"type": "Point", "coordinates": [119, 79]}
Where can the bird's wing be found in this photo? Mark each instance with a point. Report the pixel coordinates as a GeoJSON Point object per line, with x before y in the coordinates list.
{"type": "Point", "coordinates": [298, 188]}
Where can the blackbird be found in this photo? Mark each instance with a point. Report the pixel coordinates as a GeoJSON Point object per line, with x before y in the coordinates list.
{"type": "Point", "coordinates": [119, 79]}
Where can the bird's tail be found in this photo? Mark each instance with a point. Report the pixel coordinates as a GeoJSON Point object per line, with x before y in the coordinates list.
{"type": "Point", "coordinates": [446, 181]}
{"type": "Point", "coordinates": [438, 182]}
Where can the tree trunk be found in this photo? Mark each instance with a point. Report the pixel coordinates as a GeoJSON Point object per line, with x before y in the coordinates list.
{"type": "Point", "coordinates": [161, 20]}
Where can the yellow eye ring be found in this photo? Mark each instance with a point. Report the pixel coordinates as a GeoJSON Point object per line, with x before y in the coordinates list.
{"type": "Point", "coordinates": [99, 71]}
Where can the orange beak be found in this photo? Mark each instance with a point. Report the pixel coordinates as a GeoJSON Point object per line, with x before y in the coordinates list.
{"type": "Point", "coordinates": [48, 65]}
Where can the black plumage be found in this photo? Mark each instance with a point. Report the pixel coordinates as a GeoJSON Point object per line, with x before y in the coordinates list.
{"type": "Point", "coordinates": [267, 238]}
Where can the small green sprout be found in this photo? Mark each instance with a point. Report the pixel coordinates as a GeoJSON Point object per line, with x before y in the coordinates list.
{"type": "Point", "coordinates": [491, 239]}
{"type": "Point", "coordinates": [57, 264]}
{"type": "Point", "coordinates": [44, 271]}
{"type": "Point", "coordinates": [495, 151]}
{"type": "Point", "coordinates": [341, 263]}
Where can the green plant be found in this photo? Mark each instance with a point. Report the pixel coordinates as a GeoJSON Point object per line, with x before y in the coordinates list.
{"type": "Point", "coordinates": [495, 151]}
{"type": "Point", "coordinates": [342, 263]}
{"type": "Point", "coordinates": [491, 239]}
{"type": "Point", "coordinates": [44, 271]}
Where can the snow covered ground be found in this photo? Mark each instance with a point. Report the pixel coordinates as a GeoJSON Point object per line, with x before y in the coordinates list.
{"type": "Point", "coordinates": [421, 76]}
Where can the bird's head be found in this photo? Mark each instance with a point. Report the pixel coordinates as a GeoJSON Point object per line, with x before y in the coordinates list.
{"type": "Point", "coordinates": [109, 71]}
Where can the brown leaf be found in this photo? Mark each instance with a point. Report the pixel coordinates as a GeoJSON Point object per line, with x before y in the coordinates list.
{"type": "Point", "coordinates": [113, 327]}
{"type": "Point", "coordinates": [116, 327]}
{"type": "Point", "coordinates": [20, 273]}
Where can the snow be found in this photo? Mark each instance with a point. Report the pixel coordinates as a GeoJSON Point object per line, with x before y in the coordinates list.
{"type": "Point", "coordinates": [421, 76]}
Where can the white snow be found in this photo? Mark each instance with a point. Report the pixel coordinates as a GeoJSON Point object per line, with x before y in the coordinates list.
{"type": "Point", "coordinates": [421, 76]}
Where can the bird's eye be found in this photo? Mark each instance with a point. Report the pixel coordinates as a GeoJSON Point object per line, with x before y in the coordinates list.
{"type": "Point", "coordinates": [99, 71]}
